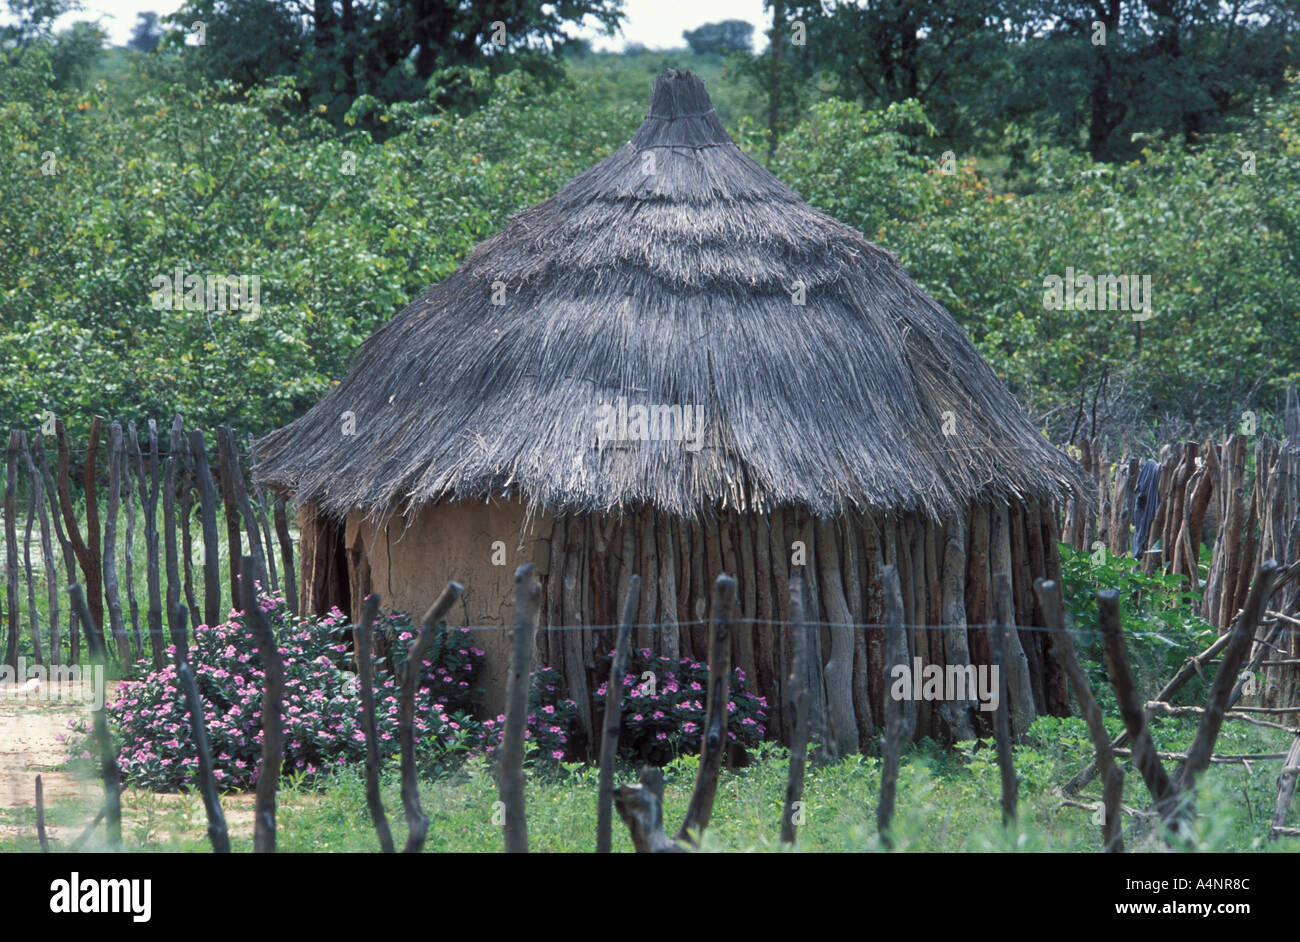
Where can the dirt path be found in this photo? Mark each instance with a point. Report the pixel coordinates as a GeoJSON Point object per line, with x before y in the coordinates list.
{"type": "Point", "coordinates": [30, 744]}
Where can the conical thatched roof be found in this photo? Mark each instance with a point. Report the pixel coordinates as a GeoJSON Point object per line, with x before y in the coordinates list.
{"type": "Point", "coordinates": [667, 275]}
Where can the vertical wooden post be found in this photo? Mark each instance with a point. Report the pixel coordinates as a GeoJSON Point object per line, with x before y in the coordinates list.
{"type": "Point", "coordinates": [175, 626]}
{"type": "Point", "coordinates": [37, 483]}
{"type": "Point", "coordinates": [268, 776]}
{"type": "Point", "coordinates": [854, 594]}
{"type": "Point", "coordinates": [286, 555]}
{"type": "Point", "coordinates": [799, 706]}
{"type": "Point", "coordinates": [715, 713]}
{"type": "Point", "coordinates": [1164, 792]}
{"type": "Point", "coordinates": [40, 817]}
{"type": "Point", "coordinates": [843, 732]}
{"type": "Point", "coordinates": [259, 511]}
{"type": "Point", "coordinates": [648, 567]}
{"type": "Point", "coordinates": [111, 593]}
{"type": "Point", "coordinates": [149, 500]}
{"type": "Point", "coordinates": [1020, 692]}
{"type": "Point", "coordinates": [361, 635]}
{"type": "Point", "coordinates": [74, 540]}
{"type": "Point", "coordinates": [34, 622]}
{"type": "Point", "coordinates": [958, 714]}
{"type": "Point", "coordinates": [510, 767]}
{"type": "Point", "coordinates": [107, 754]}
{"type": "Point", "coordinates": [614, 716]}
{"type": "Point", "coordinates": [208, 516]}
{"type": "Point", "coordinates": [185, 514]}
{"type": "Point", "coordinates": [11, 551]}
{"type": "Point", "coordinates": [234, 541]}
{"type": "Point", "coordinates": [128, 549]}
{"type": "Point", "coordinates": [69, 556]}
{"type": "Point", "coordinates": [416, 822]}
{"type": "Point", "coordinates": [217, 832]}
{"type": "Point", "coordinates": [897, 720]}
{"type": "Point", "coordinates": [570, 637]}
{"type": "Point", "coordinates": [669, 635]}
{"type": "Point", "coordinates": [1002, 715]}
{"type": "Point", "coordinates": [230, 450]}
{"type": "Point", "coordinates": [1049, 595]}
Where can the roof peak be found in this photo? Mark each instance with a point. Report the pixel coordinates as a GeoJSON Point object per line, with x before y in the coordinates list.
{"type": "Point", "coordinates": [681, 114]}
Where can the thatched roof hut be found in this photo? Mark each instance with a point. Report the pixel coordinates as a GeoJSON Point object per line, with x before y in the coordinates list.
{"type": "Point", "coordinates": [677, 367]}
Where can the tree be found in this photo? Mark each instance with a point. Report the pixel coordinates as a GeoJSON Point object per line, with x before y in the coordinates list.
{"type": "Point", "coordinates": [338, 50]}
{"type": "Point", "coordinates": [948, 54]}
{"type": "Point", "coordinates": [74, 51]}
{"type": "Point", "coordinates": [721, 38]}
{"type": "Point", "coordinates": [1144, 66]}
{"type": "Point", "coordinates": [147, 33]}
{"type": "Point", "coordinates": [31, 22]}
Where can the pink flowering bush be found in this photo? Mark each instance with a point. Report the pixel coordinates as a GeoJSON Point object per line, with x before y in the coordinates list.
{"type": "Point", "coordinates": [663, 715]}
{"type": "Point", "coordinates": [321, 709]}
{"type": "Point", "coordinates": [552, 721]}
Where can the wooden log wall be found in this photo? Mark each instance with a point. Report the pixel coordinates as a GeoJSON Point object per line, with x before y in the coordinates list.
{"type": "Point", "coordinates": [131, 478]}
{"type": "Point", "coordinates": [945, 573]}
{"type": "Point", "coordinates": [1239, 496]}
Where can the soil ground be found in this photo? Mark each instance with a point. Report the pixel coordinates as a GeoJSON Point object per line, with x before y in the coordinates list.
{"type": "Point", "coordinates": [31, 744]}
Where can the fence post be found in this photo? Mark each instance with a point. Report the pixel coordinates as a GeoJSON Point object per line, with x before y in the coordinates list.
{"type": "Point", "coordinates": [365, 675]}
{"type": "Point", "coordinates": [613, 719]}
{"type": "Point", "coordinates": [11, 552]}
{"type": "Point", "coordinates": [111, 593]}
{"type": "Point", "coordinates": [1164, 792]}
{"type": "Point", "coordinates": [286, 556]}
{"type": "Point", "coordinates": [268, 776]}
{"type": "Point", "coordinates": [37, 484]}
{"type": "Point", "coordinates": [510, 768]}
{"type": "Point", "coordinates": [1049, 597]}
{"type": "Point", "coordinates": [416, 822]}
{"type": "Point", "coordinates": [107, 754]}
{"type": "Point", "coordinates": [208, 516]}
{"type": "Point", "coordinates": [799, 734]}
{"type": "Point", "coordinates": [217, 832]}
{"type": "Point", "coordinates": [715, 714]}
{"type": "Point", "coordinates": [897, 721]}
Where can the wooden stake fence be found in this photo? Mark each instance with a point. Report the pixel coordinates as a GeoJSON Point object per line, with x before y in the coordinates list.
{"type": "Point", "coordinates": [130, 478]}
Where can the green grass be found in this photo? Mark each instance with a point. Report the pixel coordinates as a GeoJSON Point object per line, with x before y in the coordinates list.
{"type": "Point", "coordinates": [948, 801]}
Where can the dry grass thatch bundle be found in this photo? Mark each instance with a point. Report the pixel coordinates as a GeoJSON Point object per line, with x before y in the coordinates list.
{"type": "Point", "coordinates": [678, 272]}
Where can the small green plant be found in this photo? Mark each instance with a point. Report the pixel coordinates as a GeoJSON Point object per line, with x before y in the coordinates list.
{"type": "Point", "coordinates": [1156, 617]}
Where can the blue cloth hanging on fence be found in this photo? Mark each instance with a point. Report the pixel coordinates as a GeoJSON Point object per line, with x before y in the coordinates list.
{"type": "Point", "coordinates": [1146, 496]}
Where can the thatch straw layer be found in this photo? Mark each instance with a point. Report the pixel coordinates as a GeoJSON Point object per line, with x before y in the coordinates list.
{"type": "Point", "coordinates": [670, 274]}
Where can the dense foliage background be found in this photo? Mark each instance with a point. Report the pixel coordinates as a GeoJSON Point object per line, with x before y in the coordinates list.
{"type": "Point", "coordinates": [122, 165]}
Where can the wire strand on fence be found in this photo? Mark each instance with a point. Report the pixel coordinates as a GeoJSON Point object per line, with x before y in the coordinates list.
{"type": "Point", "coordinates": [777, 623]}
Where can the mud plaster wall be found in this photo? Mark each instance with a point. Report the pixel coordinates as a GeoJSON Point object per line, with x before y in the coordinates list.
{"type": "Point", "coordinates": [409, 566]}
